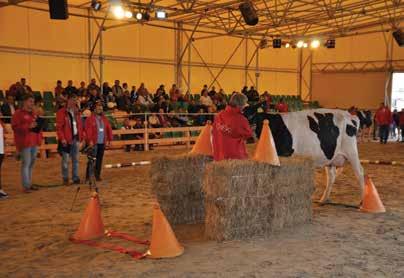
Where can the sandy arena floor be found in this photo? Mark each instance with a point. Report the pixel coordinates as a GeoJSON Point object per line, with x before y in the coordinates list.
{"type": "Point", "coordinates": [340, 242]}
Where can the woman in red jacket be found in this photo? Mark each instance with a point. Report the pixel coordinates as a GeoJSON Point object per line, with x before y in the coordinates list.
{"type": "Point", "coordinates": [98, 136]}
{"type": "Point", "coordinates": [230, 130]}
{"type": "Point", "coordinates": [27, 138]}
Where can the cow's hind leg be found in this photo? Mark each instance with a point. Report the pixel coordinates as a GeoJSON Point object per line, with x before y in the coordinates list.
{"type": "Point", "coordinates": [358, 171]}
{"type": "Point", "coordinates": [331, 174]}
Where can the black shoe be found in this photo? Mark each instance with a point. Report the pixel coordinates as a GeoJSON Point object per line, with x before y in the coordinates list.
{"type": "Point", "coordinates": [34, 188]}
{"type": "Point", "coordinates": [76, 181]}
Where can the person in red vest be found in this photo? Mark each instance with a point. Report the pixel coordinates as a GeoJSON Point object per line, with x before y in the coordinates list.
{"type": "Point", "coordinates": [230, 130]}
{"type": "Point", "coordinates": [69, 131]}
{"type": "Point", "coordinates": [98, 136]}
{"type": "Point", "coordinates": [282, 107]}
{"type": "Point", "coordinates": [27, 137]}
{"type": "Point", "coordinates": [383, 119]}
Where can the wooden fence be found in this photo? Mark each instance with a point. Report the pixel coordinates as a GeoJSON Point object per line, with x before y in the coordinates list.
{"type": "Point", "coordinates": [186, 137]}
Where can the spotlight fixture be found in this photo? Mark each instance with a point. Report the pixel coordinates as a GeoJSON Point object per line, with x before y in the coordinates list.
{"type": "Point", "coordinates": [330, 43]}
{"type": "Point", "coordinates": [315, 44]}
{"type": "Point", "coordinates": [128, 14]}
{"type": "Point", "coordinates": [305, 45]}
{"type": "Point", "coordinates": [96, 5]}
{"type": "Point", "coordinates": [118, 12]}
{"type": "Point", "coordinates": [139, 16]}
{"type": "Point", "coordinates": [161, 14]}
{"type": "Point", "coordinates": [287, 45]}
{"type": "Point", "coordinates": [276, 43]}
{"type": "Point", "coordinates": [300, 44]}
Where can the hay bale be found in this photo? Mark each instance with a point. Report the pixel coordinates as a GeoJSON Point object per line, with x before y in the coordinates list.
{"type": "Point", "coordinates": [245, 198]}
{"type": "Point", "coordinates": [177, 184]}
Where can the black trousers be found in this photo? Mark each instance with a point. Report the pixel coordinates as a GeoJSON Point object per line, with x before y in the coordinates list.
{"type": "Point", "coordinates": [384, 133]}
{"type": "Point", "coordinates": [99, 154]}
{"type": "Point", "coordinates": [402, 132]}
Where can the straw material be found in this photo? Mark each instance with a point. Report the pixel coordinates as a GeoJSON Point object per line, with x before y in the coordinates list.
{"type": "Point", "coordinates": [245, 198]}
{"type": "Point", "coordinates": [177, 183]}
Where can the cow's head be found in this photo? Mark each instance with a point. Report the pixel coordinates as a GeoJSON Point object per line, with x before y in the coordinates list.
{"type": "Point", "coordinates": [327, 132]}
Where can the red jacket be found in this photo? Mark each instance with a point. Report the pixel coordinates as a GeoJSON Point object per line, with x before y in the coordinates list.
{"type": "Point", "coordinates": [23, 136]}
{"type": "Point", "coordinates": [383, 116]}
{"type": "Point", "coordinates": [91, 129]}
{"type": "Point", "coordinates": [64, 126]}
{"type": "Point", "coordinates": [282, 107]}
{"type": "Point", "coordinates": [230, 130]}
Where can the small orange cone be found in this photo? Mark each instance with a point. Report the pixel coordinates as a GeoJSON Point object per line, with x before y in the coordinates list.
{"type": "Point", "coordinates": [266, 151]}
{"type": "Point", "coordinates": [164, 244]}
{"type": "Point", "coordinates": [91, 225]}
{"type": "Point", "coordinates": [203, 144]}
{"type": "Point", "coordinates": [371, 199]}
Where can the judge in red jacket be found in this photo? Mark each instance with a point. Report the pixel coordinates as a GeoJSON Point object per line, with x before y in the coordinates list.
{"type": "Point", "coordinates": [383, 119]}
{"type": "Point", "coordinates": [27, 138]}
{"type": "Point", "coordinates": [98, 135]}
{"type": "Point", "coordinates": [69, 131]}
{"type": "Point", "coordinates": [230, 130]}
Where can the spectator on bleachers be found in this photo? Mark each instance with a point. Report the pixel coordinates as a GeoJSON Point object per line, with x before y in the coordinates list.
{"type": "Point", "coordinates": [163, 119]}
{"type": "Point", "coordinates": [139, 125]}
{"type": "Point", "coordinates": [98, 135]}
{"type": "Point", "coordinates": [160, 92]}
{"type": "Point", "coordinates": [205, 88]}
{"type": "Point", "coordinates": [26, 88]}
{"type": "Point", "coordinates": [221, 100]}
{"type": "Point", "coordinates": [69, 131]}
{"type": "Point", "coordinates": [123, 103]}
{"type": "Point", "coordinates": [133, 94]}
{"type": "Point", "coordinates": [125, 88]}
{"type": "Point", "coordinates": [70, 89]}
{"type": "Point", "coordinates": [282, 106]}
{"type": "Point", "coordinates": [172, 93]}
{"type": "Point", "coordinates": [144, 97]}
{"type": "Point", "coordinates": [27, 138]}
{"type": "Point", "coordinates": [8, 109]}
{"type": "Point", "coordinates": [243, 91]}
{"type": "Point", "coordinates": [93, 85]}
{"type": "Point", "coordinates": [212, 93]}
{"type": "Point", "coordinates": [82, 91]}
{"type": "Point", "coordinates": [252, 94]}
{"type": "Point", "coordinates": [117, 89]}
{"type": "Point", "coordinates": [205, 100]}
{"type": "Point", "coordinates": [127, 137]}
{"type": "Point", "coordinates": [59, 90]}
{"type": "Point", "coordinates": [161, 105]}
{"type": "Point", "coordinates": [142, 90]}
{"type": "Point", "coordinates": [106, 89]}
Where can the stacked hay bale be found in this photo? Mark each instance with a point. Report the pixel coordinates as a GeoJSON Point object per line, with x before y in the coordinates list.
{"type": "Point", "coordinates": [177, 183]}
{"type": "Point", "coordinates": [245, 198]}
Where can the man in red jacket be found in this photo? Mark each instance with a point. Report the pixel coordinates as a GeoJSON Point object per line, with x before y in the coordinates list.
{"type": "Point", "coordinates": [70, 133]}
{"type": "Point", "coordinates": [230, 130]}
{"type": "Point", "coordinates": [383, 120]}
{"type": "Point", "coordinates": [27, 138]}
{"type": "Point", "coordinates": [98, 136]}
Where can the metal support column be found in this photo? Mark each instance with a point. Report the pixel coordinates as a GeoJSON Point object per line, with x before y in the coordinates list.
{"type": "Point", "coordinates": [178, 52]}
{"type": "Point", "coordinates": [257, 70]}
{"type": "Point", "coordinates": [101, 64]}
{"type": "Point", "coordinates": [189, 66]}
{"type": "Point", "coordinates": [299, 71]}
{"type": "Point", "coordinates": [89, 43]}
{"type": "Point", "coordinates": [246, 62]}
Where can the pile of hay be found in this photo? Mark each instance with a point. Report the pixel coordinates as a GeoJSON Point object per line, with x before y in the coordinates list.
{"type": "Point", "coordinates": [177, 184]}
{"type": "Point", "coordinates": [245, 198]}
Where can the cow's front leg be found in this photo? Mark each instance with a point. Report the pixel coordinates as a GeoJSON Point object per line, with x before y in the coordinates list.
{"type": "Point", "coordinates": [331, 174]}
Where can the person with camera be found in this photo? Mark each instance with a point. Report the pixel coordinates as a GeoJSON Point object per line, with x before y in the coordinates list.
{"type": "Point", "coordinates": [69, 133]}
{"type": "Point", "coordinates": [27, 137]}
{"type": "Point", "coordinates": [98, 136]}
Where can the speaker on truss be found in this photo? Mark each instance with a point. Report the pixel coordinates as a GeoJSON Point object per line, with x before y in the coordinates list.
{"type": "Point", "coordinates": [249, 14]}
{"type": "Point", "coordinates": [399, 37]}
{"type": "Point", "coordinates": [58, 9]}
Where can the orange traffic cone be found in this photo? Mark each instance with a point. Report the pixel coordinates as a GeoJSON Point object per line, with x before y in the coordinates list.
{"type": "Point", "coordinates": [203, 144]}
{"type": "Point", "coordinates": [164, 244]}
{"type": "Point", "coordinates": [266, 151]}
{"type": "Point", "coordinates": [371, 199]}
{"type": "Point", "coordinates": [91, 226]}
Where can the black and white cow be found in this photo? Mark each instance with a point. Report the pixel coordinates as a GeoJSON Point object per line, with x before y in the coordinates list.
{"type": "Point", "coordinates": [328, 136]}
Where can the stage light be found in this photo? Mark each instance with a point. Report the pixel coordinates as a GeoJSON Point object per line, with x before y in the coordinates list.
{"type": "Point", "coordinates": [96, 5]}
{"type": "Point", "coordinates": [118, 12]}
{"type": "Point", "coordinates": [330, 43]}
{"type": "Point", "coordinates": [287, 45]}
{"type": "Point", "coordinates": [161, 14]}
{"type": "Point", "coordinates": [315, 44]}
{"type": "Point", "coordinates": [300, 44]}
{"type": "Point", "coordinates": [305, 45]}
{"type": "Point", "coordinates": [139, 16]}
{"type": "Point", "coordinates": [276, 43]}
{"type": "Point", "coordinates": [128, 14]}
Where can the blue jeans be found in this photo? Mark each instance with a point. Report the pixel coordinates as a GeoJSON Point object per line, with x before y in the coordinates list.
{"type": "Point", "coordinates": [28, 157]}
{"type": "Point", "coordinates": [74, 155]}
